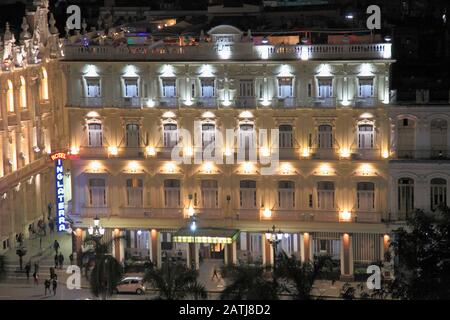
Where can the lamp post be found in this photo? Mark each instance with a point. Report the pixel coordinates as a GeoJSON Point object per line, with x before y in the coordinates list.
{"type": "Point", "coordinates": [96, 231]}
{"type": "Point", "coordinates": [193, 228]}
{"type": "Point", "coordinates": [274, 238]}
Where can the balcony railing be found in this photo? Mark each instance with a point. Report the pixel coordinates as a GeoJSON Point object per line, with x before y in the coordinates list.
{"type": "Point", "coordinates": [210, 213]}
{"type": "Point", "coordinates": [242, 50]}
{"type": "Point", "coordinates": [242, 102]}
{"type": "Point", "coordinates": [437, 153]}
{"type": "Point", "coordinates": [286, 102]}
{"type": "Point", "coordinates": [324, 102]}
{"type": "Point", "coordinates": [168, 102]}
{"type": "Point", "coordinates": [324, 153]}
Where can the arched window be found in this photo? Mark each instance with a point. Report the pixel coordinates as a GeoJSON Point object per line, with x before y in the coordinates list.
{"type": "Point", "coordinates": [10, 96]}
{"type": "Point", "coordinates": [325, 195]}
{"type": "Point", "coordinates": [286, 139]}
{"type": "Point", "coordinates": [95, 135]}
{"type": "Point", "coordinates": [365, 136]}
{"type": "Point", "coordinates": [286, 194]}
{"type": "Point", "coordinates": [438, 193]}
{"type": "Point", "coordinates": [325, 137]}
{"type": "Point", "coordinates": [365, 196]}
{"type": "Point", "coordinates": [170, 135]}
{"type": "Point", "coordinates": [406, 139]}
{"type": "Point", "coordinates": [405, 196]}
{"type": "Point", "coordinates": [247, 194]}
{"type": "Point", "coordinates": [23, 93]}
{"type": "Point", "coordinates": [438, 138]}
{"type": "Point", "coordinates": [44, 85]}
{"type": "Point", "coordinates": [208, 134]}
{"type": "Point", "coordinates": [210, 194]}
{"type": "Point", "coordinates": [172, 196]}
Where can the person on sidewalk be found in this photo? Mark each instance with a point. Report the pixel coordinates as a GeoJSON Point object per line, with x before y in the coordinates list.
{"type": "Point", "coordinates": [215, 274]}
{"type": "Point", "coordinates": [47, 286]}
{"type": "Point", "coordinates": [61, 260]}
{"type": "Point", "coordinates": [56, 246]}
{"type": "Point", "coordinates": [71, 258]}
{"type": "Point", "coordinates": [36, 278]}
{"type": "Point", "coordinates": [27, 270]}
{"type": "Point", "coordinates": [56, 261]}
{"type": "Point", "coordinates": [51, 225]}
{"type": "Point", "coordinates": [55, 285]}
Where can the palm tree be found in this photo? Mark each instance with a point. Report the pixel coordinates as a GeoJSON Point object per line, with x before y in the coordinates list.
{"type": "Point", "coordinates": [249, 283]}
{"type": "Point", "coordinates": [298, 278]}
{"type": "Point", "coordinates": [107, 271]}
{"type": "Point", "coordinates": [175, 281]}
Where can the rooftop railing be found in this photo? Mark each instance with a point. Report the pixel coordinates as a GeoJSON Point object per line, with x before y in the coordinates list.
{"type": "Point", "coordinates": [234, 51]}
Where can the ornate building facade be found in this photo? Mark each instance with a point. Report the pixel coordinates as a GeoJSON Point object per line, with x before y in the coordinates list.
{"type": "Point", "coordinates": [318, 115]}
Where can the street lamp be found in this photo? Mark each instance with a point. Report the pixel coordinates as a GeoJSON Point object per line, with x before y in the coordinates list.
{"type": "Point", "coordinates": [96, 231]}
{"type": "Point", "coordinates": [193, 228]}
{"type": "Point", "coordinates": [274, 238]}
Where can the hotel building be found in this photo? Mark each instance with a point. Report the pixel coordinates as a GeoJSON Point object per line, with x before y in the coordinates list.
{"type": "Point", "coordinates": [352, 165]}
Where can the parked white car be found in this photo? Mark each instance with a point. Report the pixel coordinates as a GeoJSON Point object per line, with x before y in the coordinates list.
{"type": "Point", "coordinates": [131, 285]}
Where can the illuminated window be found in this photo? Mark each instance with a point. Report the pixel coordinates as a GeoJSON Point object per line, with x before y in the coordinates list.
{"type": "Point", "coordinates": [92, 87]}
{"type": "Point", "coordinates": [135, 192]}
{"type": "Point", "coordinates": [285, 88]}
{"type": "Point", "coordinates": [23, 93]}
{"type": "Point", "coordinates": [172, 193]}
{"type": "Point", "coordinates": [210, 194]}
{"type": "Point", "coordinates": [170, 135]}
{"type": "Point", "coordinates": [286, 195]}
{"type": "Point", "coordinates": [246, 138]}
{"type": "Point", "coordinates": [10, 96]}
{"type": "Point", "coordinates": [438, 193]}
{"type": "Point", "coordinates": [132, 135]}
{"type": "Point", "coordinates": [365, 136]}
{"type": "Point", "coordinates": [365, 87]}
{"type": "Point", "coordinates": [286, 138]}
{"type": "Point", "coordinates": [208, 134]}
{"type": "Point", "coordinates": [44, 85]}
{"type": "Point", "coordinates": [169, 88]}
{"type": "Point", "coordinates": [405, 196]}
{"type": "Point", "coordinates": [365, 196]}
{"type": "Point", "coordinates": [95, 135]}
{"type": "Point", "coordinates": [325, 137]}
{"type": "Point", "coordinates": [97, 192]}
{"type": "Point", "coordinates": [207, 87]}
{"type": "Point", "coordinates": [247, 194]}
{"type": "Point", "coordinates": [325, 88]}
{"type": "Point", "coordinates": [325, 195]}
{"type": "Point", "coordinates": [131, 88]}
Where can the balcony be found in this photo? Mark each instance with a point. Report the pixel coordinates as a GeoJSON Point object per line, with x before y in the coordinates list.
{"type": "Point", "coordinates": [91, 102]}
{"type": "Point", "coordinates": [437, 153]}
{"type": "Point", "coordinates": [285, 102]}
{"type": "Point", "coordinates": [245, 102]}
{"type": "Point", "coordinates": [91, 212]}
{"type": "Point", "coordinates": [210, 213]}
{"type": "Point", "coordinates": [324, 154]}
{"type": "Point", "coordinates": [206, 102]}
{"type": "Point", "coordinates": [164, 213]}
{"type": "Point", "coordinates": [131, 102]}
{"type": "Point", "coordinates": [168, 102]}
{"type": "Point", "coordinates": [205, 51]}
{"type": "Point", "coordinates": [365, 102]}
{"type": "Point", "coordinates": [368, 217]}
{"type": "Point", "coordinates": [247, 214]}
{"type": "Point", "coordinates": [324, 103]}
{"type": "Point", "coordinates": [366, 154]}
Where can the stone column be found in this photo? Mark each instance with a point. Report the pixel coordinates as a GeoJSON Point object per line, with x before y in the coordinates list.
{"type": "Point", "coordinates": [155, 248]}
{"type": "Point", "coordinates": [230, 253]}
{"type": "Point", "coordinates": [346, 257]}
{"type": "Point", "coordinates": [305, 247]}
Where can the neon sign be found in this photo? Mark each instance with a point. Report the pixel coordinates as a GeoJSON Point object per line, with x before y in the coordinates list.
{"type": "Point", "coordinates": [59, 190]}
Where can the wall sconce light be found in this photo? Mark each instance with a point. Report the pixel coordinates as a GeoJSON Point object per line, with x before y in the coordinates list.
{"type": "Point", "coordinates": [345, 215]}
{"type": "Point", "coordinates": [112, 150]}
{"type": "Point", "coordinates": [305, 152]}
{"type": "Point", "coordinates": [248, 167]}
{"type": "Point", "coordinates": [150, 150]}
{"type": "Point", "coordinates": [133, 166]}
{"type": "Point", "coordinates": [345, 153]}
{"type": "Point", "coordinates": [74, 150]}
{"type": "Point", "coordinates": [385, 154]}
{"type": "Point", "coordinates": [265, 152]}
{"type": "Point", "coordinates": [227, 152]}
{"type": "Point", "coordinates": [188, 151]}
{"type": "Point", "coordinates": [170, 167]}
{"type": "Point", "coordinates": [95, 166]}
{"type": "Point", "coordinates": [325, 169]}
{"type": "Point", "coordinates": [267, 213]}
{"type": "Point", "coordinates": [208, 167]}
{"type": "Point", "coordinates": [286, 168]}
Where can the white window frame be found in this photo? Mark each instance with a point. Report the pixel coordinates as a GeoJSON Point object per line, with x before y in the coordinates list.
{"type": "Point", "coordinates": [97, 194]}
{"type": "Point", "coordinates": [286, 137]}
{"type": "Point", "coordinates": [325, 88]}
{"type": "Point", "coordinates": [246, 88]}
{"type": "Point", "coordinates": [94, 93]}
{"type": "Point", "coordinates": [286, 195]}
{"type": "Point", "coordinates": [325, 138]}
{"type": "Point", "coordinates": [134, 192]}
{"type": "Point", "coordinates": [365, 196]}
{"type": "Point", "coordinates": [285, 87]}
{"type": "Point", "coordinates": [128, 92]}
{"type": "Point", "coordinates": [207, 87]}
{"type": "Point", "coordinates": [366, 87]}
{"type": "Point", "coordinates": [95, 136]}
{"type": "Point", "coordinates": [210, 194]}
{"type": "Point", "coordinates": [366, 138]}
{"type": "Point", "coordinates": [170, 137]}
{"type": "Point", "coordinates": [172, 195]}
{"type": "Point", "coordinates": [247, 196]}
{"type": "Point", "coordinates": [325, 196]}
{"type": "Point", "coordinates": [169, 87]}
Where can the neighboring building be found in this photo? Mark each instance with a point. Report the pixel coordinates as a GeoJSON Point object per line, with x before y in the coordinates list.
{"type": "Point", "coordinates": [351, 168]}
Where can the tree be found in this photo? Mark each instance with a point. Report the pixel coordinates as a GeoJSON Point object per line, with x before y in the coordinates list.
{"type": "Point", "coordinates": [107, 271]}
{"type": "Point", "coordinates": [249, 283]}
{"type": "Point", "coordinates": [298, 278]}
{"type": "Point", "coordinates": [422, 250]}
{"type": "Point", "coordinates": [2, 267]}
{"type": "Point", "coordinates": [175, 281]}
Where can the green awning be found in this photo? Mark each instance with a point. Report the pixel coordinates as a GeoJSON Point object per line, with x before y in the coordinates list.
{"type": "Point", "coordinates": [206, 235]}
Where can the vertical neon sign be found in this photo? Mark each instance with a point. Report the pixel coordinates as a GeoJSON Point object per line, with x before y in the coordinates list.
{"type": "Point", "coordinates": [59, 190]}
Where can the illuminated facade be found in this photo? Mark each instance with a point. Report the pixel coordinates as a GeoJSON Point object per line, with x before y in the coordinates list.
{"type": "Point", "coordinates": [121, 109]}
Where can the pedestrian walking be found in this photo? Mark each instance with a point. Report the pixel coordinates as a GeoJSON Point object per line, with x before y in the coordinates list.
{"type": "Point", "coordinates": [36, 278]}
{"type": "Point", "coordinates": [54, 285]}
{"type": "Point", "coordinates": [56, 246]}
{"type": "Point", "coordinates": [71, 258]}
{"type": "Point", "coordinates": [36, 267]}
{"type": "Point", "coordinates": [215, 274]}
{"type": "Point", "coordinates": [28, 269]}
{"type": "Point", "coordinates": [51, 225]}
{"type": "Point", "coordinates": [61, 260]}
{"type": "Point", "coordinates": [56, 260]}
{"type": "Point", "coordinates": [52, 273]}
{"type": "Point", "coordinates": [47, 286]}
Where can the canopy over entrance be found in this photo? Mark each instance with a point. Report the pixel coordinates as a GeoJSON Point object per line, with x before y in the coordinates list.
{"type": "Point", "coordinates": [206, 235]}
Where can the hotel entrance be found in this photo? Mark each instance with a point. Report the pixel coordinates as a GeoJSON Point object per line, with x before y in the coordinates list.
{"type": "Point", "coordinates": [212, 251]}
